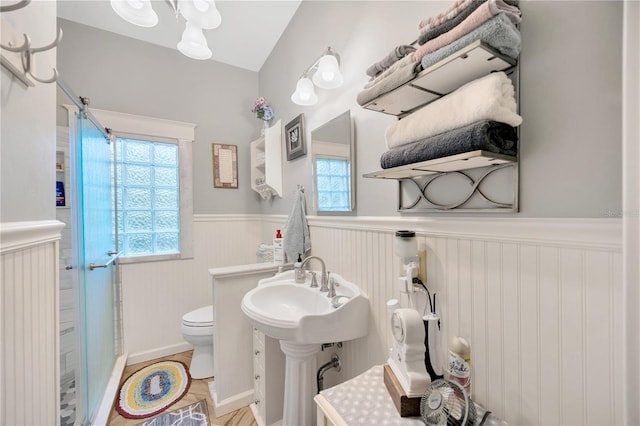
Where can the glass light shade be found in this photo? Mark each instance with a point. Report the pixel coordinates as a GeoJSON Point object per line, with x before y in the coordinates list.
{"type": "Point", "coordinates": [202, 13]}
{"type": "Point", "coordinates": [137, 12]}
{"type": "Point", "coordinates": [305, 93]}
{"type": "Point", "coordinates": [193, 44]}
{"type": "Point", "coordinates": [328, 75]}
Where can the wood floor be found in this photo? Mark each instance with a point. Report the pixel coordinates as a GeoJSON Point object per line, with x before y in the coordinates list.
{"type": "Point", "coordinates": [197, 391]}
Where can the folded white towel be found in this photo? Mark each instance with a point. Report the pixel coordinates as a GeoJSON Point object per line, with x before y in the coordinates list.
{"type": "Point", "coordinates": [296, 239]}
{"type": "Point", "coordinates": [487, 98]}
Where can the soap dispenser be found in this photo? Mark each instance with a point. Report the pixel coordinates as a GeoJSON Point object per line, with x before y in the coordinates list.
{"type": "Point", "coordinates": [278, 249]}
{"type": "Point", "coordinates": [300, 276]}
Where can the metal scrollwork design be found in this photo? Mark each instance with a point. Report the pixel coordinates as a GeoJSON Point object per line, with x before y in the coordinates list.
{"type": "Point", "coordinates": [474, 190]}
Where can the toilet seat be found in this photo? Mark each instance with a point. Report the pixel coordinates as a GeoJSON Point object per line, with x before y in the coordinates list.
{"type": "Point", "coordinates": [202, 317]}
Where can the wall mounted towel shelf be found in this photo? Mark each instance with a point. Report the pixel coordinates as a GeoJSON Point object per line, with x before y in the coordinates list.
{"type": "Point", "coordinates": [472, 62]}
{"type": "Point", "coordinates": [417, 183]}
{"type": "Point", "coordinates": [453, 163]}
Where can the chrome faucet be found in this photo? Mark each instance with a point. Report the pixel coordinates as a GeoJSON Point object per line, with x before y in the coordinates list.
{"type": "Point", "coordinates": [332, 286]}
{"type": "Point", "coordinates": [323, 278]}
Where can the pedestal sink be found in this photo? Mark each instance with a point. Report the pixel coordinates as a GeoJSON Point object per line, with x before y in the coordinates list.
{"type": "Point", "coordinates": [303, 318]}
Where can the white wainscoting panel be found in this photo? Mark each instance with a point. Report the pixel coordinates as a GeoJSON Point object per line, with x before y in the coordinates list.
{"type": "Point", "coordinates": [540, 305]}
{"type": "Point", "coordinates": [539, 299]}
{"type": "Point", "coordinates": [29, 326]}
{"type": "Point", "coordinates": [155, 295]}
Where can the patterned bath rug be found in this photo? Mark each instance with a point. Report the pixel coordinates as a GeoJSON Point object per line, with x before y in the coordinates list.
{"type": "Point", "coordinates": [192, 415]}
{"type": "Point", "coordinates": [153, 389]}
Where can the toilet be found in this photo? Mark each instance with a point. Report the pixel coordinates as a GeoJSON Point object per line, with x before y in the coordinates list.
{"type": "Point", "coordinates": [197, 329]}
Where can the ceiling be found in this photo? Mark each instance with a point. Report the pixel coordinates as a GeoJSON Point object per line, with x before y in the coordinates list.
{"type": "Point", "coordinates": [248, 33]}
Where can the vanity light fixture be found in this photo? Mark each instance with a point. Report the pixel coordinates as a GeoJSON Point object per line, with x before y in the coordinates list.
{"type": "Point", "coordinates": [326, 75]}
{"type": "Point", "coordinates": [199, 14]}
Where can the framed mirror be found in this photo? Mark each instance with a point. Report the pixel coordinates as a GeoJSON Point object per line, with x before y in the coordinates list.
{"type": "Point", "coordinates": [333, 156]}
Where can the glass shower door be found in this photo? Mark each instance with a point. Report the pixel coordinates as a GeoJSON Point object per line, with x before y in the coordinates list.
{"type": "Point", "coordinates": [96, 253]}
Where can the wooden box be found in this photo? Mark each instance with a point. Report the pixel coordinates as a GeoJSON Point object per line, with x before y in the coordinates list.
{"type": "Point", "coordinates": [407, 407]}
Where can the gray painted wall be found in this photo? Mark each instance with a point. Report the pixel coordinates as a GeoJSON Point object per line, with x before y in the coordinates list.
{"type": "Point", "coordinates": [27, 131]}
{"type": "Point", "coordinates": [125, 75]}
{"type": "Point", "coordinates": [570, 98]}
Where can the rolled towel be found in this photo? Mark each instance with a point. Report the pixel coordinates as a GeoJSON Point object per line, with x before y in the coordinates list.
{"type": "Point", "coordinates": [425, 36]}
{"type": "Point", "coordinates": [395, 55]}
{"type": "Point", "coordinates": [498, 32]}
{"type": "Point", "coordinates": [482, 14]}
{"type": "Point", "coordinates": [486, 135]}
{"type": "Point", "coordinates": [487, 98]}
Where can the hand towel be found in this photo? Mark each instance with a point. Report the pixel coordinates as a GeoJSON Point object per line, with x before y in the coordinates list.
{"type": "Point", "coordinates": [395, 55]}
{"type": "Point", "coordinates": [296, 237]}
{"type": "Point", "coordinates": [433, 32]}
{"type": "Point", "coordinates": [486, 135]}
{"type": "Point", "coordinates": [478, 17]}
{"type": "Point", "coordinates": [487, 98]}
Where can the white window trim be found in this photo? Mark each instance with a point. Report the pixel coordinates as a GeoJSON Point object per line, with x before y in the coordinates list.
{"type": "Point", "coordinates": [183, 133]}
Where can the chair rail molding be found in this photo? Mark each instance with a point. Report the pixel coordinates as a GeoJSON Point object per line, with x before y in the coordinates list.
{"type": "Point", "coordinates": [603, 233]}
{"type": "Point", "coordinates": [18, 235]}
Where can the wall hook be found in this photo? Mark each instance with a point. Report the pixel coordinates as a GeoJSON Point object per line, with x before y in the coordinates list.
{"type": "Point", "coordinates": [15, 6]}
{"type": "Point", "coordinates": [26, 57]}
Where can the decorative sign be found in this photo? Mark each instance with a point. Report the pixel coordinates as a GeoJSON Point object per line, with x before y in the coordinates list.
{"type": "Point", "coordinates": [225, 166]}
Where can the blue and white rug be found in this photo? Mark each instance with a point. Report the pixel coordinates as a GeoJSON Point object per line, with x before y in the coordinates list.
{"type": "Point", "coordinates": [195, 414]}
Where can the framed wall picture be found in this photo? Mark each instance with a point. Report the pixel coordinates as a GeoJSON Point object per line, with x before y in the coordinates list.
{"type": "Point", "coordinates": [225, 166]}
{"type": "Point", "coordinates": [294, 137]}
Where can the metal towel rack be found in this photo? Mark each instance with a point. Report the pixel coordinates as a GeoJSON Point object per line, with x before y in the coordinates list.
{"type": "Point", "coordinates": [18, 58]}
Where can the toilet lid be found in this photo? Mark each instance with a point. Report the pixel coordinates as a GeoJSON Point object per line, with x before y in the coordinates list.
{"type": "Point", "coordinates": [202, 317]}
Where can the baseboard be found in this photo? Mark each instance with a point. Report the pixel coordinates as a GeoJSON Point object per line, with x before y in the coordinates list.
{"type": "Point", "coordinates": [158, 353]}
{"type": "Point", "coordinates": [229, 405]}
{"type": "Point", "coordinates": [111, 392]}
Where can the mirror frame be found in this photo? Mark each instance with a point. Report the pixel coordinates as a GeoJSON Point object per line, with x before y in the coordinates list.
{"type": "Point", "coordinates": [352, 165]}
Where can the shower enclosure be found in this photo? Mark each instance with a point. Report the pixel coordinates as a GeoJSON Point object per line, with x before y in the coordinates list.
{"type": "Point", "coordinates": [93, 241]}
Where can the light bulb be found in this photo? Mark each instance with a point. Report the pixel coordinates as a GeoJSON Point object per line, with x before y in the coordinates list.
{"type": "Point", "coordinates": [202, 13]}
{"type": "Point", "coordinates": [201, 5]}
{"type": "Point", "coordinates": [304, 94]}
{"type": "Point", "coordinates": [328, 74]}
{"type": "Point", "coordinates": [137, 12]}
{"type": "Point", "coordinates": [136, 4]}
{"type": "Point", "coordinates": [193, 44]}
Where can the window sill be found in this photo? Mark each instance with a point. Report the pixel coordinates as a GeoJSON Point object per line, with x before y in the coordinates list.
{"type": "Point", "coordinates": [152, 258]}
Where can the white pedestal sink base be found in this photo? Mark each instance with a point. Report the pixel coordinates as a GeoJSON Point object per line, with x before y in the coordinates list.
{"type": "Point", "coordinates": [299, 385]}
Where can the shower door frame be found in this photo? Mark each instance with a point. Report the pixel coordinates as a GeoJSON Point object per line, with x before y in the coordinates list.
{"type": "Point", "coordinates": [84, 414]}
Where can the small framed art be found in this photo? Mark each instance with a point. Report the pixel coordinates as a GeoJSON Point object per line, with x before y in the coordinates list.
{"type": "Point", "coordinates": [295, 138]}
{"type": "Point", "coordinates": [225, 166]}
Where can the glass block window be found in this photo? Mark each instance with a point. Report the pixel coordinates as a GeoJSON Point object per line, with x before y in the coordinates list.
{"type": "Point", "coordinates": [148, 197]}
{"type": "Point", "coordinates": [334, 189]}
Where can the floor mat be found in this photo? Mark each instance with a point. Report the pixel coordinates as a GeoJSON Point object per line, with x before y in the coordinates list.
{"type": "Point", "coordinates": [153, 389]}
{"type": "Point", "coordinates": [192, 415]}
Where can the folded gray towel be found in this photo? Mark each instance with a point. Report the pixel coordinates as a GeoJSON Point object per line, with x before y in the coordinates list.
{"type": "Point", "coordinates": [498, 32]}
{"type": "Point", "coordinates": [486, 135]}
{"type": "Point", "coordinates": [434, 32]}
{"type": "Point", "coordinates": [427, 35]}
{"type": "Point", "coordinates": [396, 54]}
